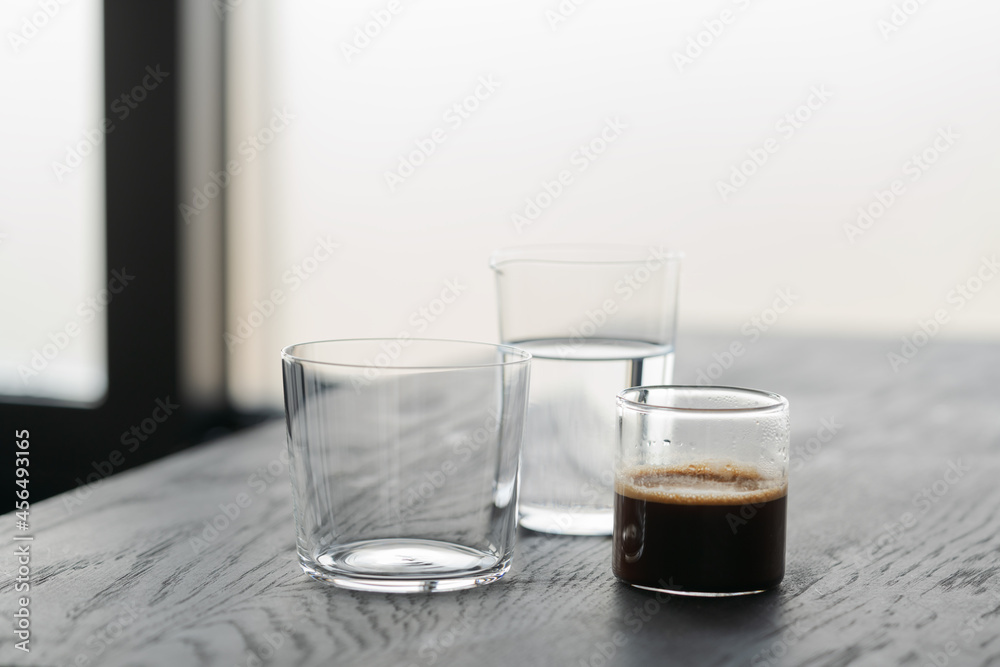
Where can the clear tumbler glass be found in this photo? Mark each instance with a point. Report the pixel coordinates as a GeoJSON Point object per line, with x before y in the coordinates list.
{"type": "Point", "coordinates": [404, 457]}
{"type": "Point", "coordinates": [701, 487]}
{"type": "Point", "coordinates": [596, 319]}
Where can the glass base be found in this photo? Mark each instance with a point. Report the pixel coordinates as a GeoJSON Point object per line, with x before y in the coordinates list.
{"type": "Point", "coordinates": [405, 565]}
{"type": "Point", "coordinates": [694, 594]}
{"type": "Point", "coordinates": [566, 520]}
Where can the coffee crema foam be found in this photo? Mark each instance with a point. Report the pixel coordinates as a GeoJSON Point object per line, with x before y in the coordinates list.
{"type": "Point", "coordinates": [705, 483]}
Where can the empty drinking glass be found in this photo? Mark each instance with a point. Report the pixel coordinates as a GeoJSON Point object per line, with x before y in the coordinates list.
{"type": "Point", "coordinates": [404, 460]}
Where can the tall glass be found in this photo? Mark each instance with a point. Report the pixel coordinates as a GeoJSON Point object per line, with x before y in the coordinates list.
{"type": "Point", "coordinates": [596, 319]}
{"type": "Point", "coordinates": [701, 486]}
{"type": "Point", "coordinates": [404, 459]}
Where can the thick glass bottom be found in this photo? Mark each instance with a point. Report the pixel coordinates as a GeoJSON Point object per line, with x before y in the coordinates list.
{"type": "Point", "coordinates": [405, 565]}
{"type": "Point", "coordinates": [695, 594]}
{"type": "Point", "coordinates": [566, 520]}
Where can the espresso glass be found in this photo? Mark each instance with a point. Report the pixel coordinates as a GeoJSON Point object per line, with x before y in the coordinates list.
{"type": "Point", "coordinates": [701, 488]}
{"type": "Point", "coordinates": [404, 457]}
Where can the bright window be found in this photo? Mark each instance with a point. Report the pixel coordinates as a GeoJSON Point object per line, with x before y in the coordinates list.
{"type": "Point", "coordinates": [53, 285]}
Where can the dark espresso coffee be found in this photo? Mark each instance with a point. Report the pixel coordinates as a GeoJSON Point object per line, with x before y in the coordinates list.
{"type": "Point", "coordinates": [710, 528]}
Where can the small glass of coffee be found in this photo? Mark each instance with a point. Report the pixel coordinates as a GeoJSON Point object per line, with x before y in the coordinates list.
{"type": "Point", "coordinates": [701, 487]}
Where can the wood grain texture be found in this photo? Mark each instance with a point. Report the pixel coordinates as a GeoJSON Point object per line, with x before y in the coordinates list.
{"type": "Point", "coordinates": [892, 559]}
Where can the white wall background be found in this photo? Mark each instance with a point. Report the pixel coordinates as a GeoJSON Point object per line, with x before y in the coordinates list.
{"type": "Point", "coordinates": [891, 92]}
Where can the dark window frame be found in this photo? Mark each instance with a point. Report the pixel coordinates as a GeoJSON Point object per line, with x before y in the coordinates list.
{"type": "Point", "coordinates": [74, 444]}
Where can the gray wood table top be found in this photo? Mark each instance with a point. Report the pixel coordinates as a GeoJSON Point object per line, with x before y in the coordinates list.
{"type": "Point", "coordinates": [893, 548]}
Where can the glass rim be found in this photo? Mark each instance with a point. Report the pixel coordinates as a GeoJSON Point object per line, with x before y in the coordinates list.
{"type": "Point", "coordinates": [582, 253]}
{"type": "Point", "coordinates": [779, 402]}
{"type": "Point", "coordinates": [523, 355]}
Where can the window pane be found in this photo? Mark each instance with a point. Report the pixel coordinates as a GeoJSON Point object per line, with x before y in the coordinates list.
{"type": "Point", "coordinates": [53, 335]}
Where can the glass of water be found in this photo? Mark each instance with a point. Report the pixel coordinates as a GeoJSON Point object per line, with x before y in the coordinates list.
{"type": "Point", "coordinates": [596, 319]}
{"type": "Point", "coordinates": [404, 458]}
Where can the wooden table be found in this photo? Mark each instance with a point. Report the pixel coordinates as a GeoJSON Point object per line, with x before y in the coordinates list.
{"type": "Point", "coordinates": [893, 548]}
